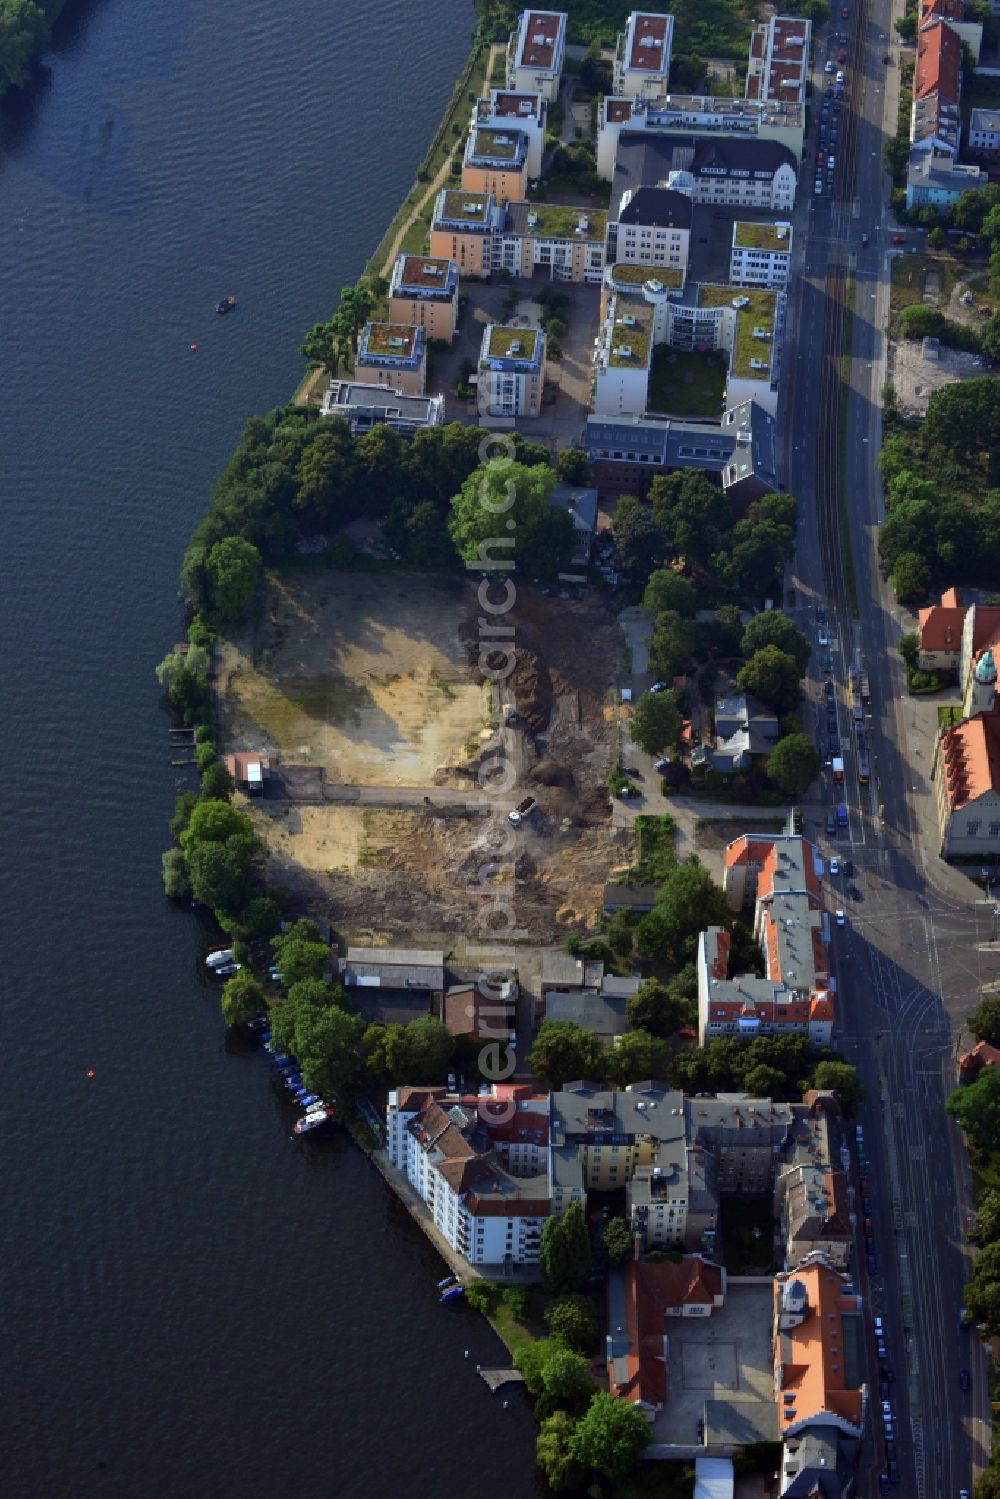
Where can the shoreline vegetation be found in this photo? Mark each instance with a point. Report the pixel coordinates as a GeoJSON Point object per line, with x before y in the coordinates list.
{"type": "Point", "coordinates": [25, 32]}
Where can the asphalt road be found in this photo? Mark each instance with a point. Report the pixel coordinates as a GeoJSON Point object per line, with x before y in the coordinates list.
{"type": "Point", "coordinates": [909, 961]}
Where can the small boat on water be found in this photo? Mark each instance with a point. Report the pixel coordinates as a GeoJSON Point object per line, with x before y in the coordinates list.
{"type": "Point", "coordinates": [228, 304]}
{"type": "Point", "coordinates": [315, 1119]}
{"type": "Point", "coordinates": [453, 1292]}
{"type": "Point", "coordinates": [220, 958]}
{"type": "Point", "coordinates": [226, 970]}
{"type": "Point", "coordinates": [449, 1280]}
{"type": "Point", "coordinates": [283, 1061]}
{"type": "Point", "coordinates": [310, 1101]}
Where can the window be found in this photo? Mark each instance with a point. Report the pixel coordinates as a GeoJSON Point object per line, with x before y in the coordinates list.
{"type": "Point", "coordinates": [972, 828]}
{"type": "Point", "coordinates": [995, 829]}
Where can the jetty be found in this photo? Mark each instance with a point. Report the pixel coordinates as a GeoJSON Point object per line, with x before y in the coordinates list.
{"type": "Point", "coordinates": [497, 1378]}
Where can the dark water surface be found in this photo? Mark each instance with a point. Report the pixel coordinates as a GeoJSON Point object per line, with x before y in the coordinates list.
{"type": "Point", "coordinates": [192, 1303]}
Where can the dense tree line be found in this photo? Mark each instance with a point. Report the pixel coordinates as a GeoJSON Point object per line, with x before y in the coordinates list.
{"type": "Point", "coordinates": [25, 31]}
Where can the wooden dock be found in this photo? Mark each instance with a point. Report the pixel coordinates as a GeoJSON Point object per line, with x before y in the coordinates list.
{"type": "Point", "coordinates": [497, 1378]}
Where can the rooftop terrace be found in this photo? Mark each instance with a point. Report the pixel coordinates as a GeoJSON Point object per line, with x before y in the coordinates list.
{"type": "Point", "coordinates": [424, 271]}
{"type": "Point", "coordinates": [511, 343]}
{"type": "Point", "coordinates": [757, 310]}
{"type": "Point", "coordinates": [559, 221]}
{"type": "Point", "coordinates": [747, 236]}
{"type": "Point", "coordinates": [632, 330]}
{"type": "Point", "coordinates": [498, 145]}
{"type": "Point", "coordinates": [630, 276]}
{"type": "Point", "coordinates": [465, 208]}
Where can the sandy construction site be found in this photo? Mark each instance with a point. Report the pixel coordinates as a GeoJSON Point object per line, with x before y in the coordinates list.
{"type": "Point", "coordinates": [365, 686]}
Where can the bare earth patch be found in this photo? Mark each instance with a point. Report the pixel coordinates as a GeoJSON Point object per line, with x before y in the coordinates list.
{"type": "Point", "coordinates": [373, 681]}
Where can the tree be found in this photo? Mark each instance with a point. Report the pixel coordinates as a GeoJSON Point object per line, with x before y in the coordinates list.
{"type": "Point", "coordinates": [668, 590]}
{"type": "Point", "coordinates": [794, 764]}
{"type": "Point", "coordinates": [233, 570]}
{"type": "Point", "coordinates": [221, 873]}
{"type": "Point", "coordinates": [321, 348]}
{"type": "Point", "coordinates": [773, 676]}
{"type": "Point", "coordinates": [176, 879]}
{"type": "Point", "coordinates": [639, 542]}
{"type": "Point", "coordinates": [573, 467]}
{"type": "Point", "coordinates": [311, 1025]}
{"type": "Point", "coordinates": [214, 822]}
{"type": "Point", "coordinates": [977, 1110]}
{"type": "Point", "coordinates": [982, 1295]}
{"type": "Point", "coordinates": [636, 1056]}
{"type": "Point", "coordinates": [988, 1483]}
{"type": "Point", "coordinates": [984, 1022]}
{"type": "Point", "coordinates": [617, 1241]}
{"type": "Point", "coordinates": [774, 628]}
{"type": "Point", "coordinates": [419, 1052]}
{"type": "Point", "coordinates": [658, 1009]}
{"type": "Point", "coordinates": [242, 998]}
{"type": "Point", "coordinates": [843, 1079]}
{"type": "Point", "coordinates": [656, 721]}
{"type": "Point", "coordinates": [763, 1081]}
{"type": "Point", "coordinates": [693, 515]}
{"type": "Point", "coordinates": [986, 1227]}
{"type": "Point", "coordinates": [937, 239]}
{"type": "Point", "coordinates": [565, 1258]}
{"type": "Point", "coordinates": [611, 1437]}
{"type": "Point", "coordinates": [565, 1377]}
{"type": "Point", "coordinates": [24, 32]}
{"type": "Point", "coordinates": [911, 578]}
{"type": "Point", "coordinates": [672, 645]}
{"type": "Point", "coordinates": [906, 27]}
{"type": "Point", "coordinates": [989, 339]}
{"type": "Point", "coordinates": [554, 1452]}
{"type": "Point", "coordinates": [216, 782]}
{"type": "Point", "coordinates": [909, 649]}
{"type": "Point", "coordinates": [299, 956]}
{"type": "Point", "coordinates": [502, 516]}
{"type": "Point", "coordinates": [573, 1319]}
{"type": "Point", "coordinates": [426, 542]}
{"type": "Point", "coordinates": [564, 1051]}
{"type": "Point", "coordinates": [688, 901]}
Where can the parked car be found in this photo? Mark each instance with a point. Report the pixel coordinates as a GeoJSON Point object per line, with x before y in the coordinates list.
{"type": "Point", "coordinates": [827, 664]}
{"type": "Point", "coordinates": [829, 688]}
{"type": "Point", "coordinates": [824, 638]}
{"type": "Point", "coordinates": [834, 866]}
{"type": "Point", "coordinates": [899, 239]}
{"type": "Point", "coordinates": [831, 823]}
{"type": "Point", "coordinates": [658, 687]}
{"type": "Point", "coordinates": [831, 723]}
{"type": "Point", "coordinates": [663, 764]}
{"type": "Point", "coordinates": [872, 1265]}
{"type": "Point", "coordinates": [886, 59]}
{"type": "Point", "coordinates": [829, 67]}
{"type": "Point", "coordinates": [854, 892]}
{"type": "Point", "coordinates": [849, 867]}
{"type": "Point", "coordinates": [964, 1378]}
{"type": "Point", "coordinates": [884, 1486]}
{"type": "Point", "coordinates": [840, 918]}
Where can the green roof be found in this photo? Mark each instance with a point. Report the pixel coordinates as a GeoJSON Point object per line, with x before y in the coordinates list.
{"type": "Point", "coordinates": [454, 206]}
{"type": "Point", "coordinates": [635, 337]}
{"type": "Point", "coordinates": [757, 311]}
{"type": "Point", "coordinates": [501, 339]}
{"type": "Point", "coordinates": [379, 339]}
{"type": "Point", "coordinates": [761, 237]}
{"type": "Point", "coordinates": [624, 274]}
{"type": "Point", "coordinates": [501, 144]}
{"type": "Point", "coordinates": [559, 221]}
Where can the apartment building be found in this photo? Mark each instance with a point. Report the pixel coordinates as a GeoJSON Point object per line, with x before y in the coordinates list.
{"type": "Point", "coordinates": [934, 179]}
{"type": "Point", "coordinates": [479, 1165]}
{"type": "Point", "coordinates": [623, 357]}
{"type": "Point", "coordinates": [496, 162]}
{"type": "Point", "coordinates": [652, 227]}
{"type": "Point", "coordinates": [810, 1190]}
{"type": "Point", "coordinates": [820, 1355]}
{"type": "Point", "coordinates": [937, 79]}
{"type": "Point", "coordinates": [364, 405]}
{"type": "Point", "coordinates": [966, 776]}
{"type": "Point", "coordinates": [747, 324]}
{"type": "Point", "coordinates": [525, 113]}
{"type": "Point", "coordinates": [781, 875]}
{"type": "Point", "coordinates": [393, 355]}
{"type": "Point", "coordinates": [761, 254]}
{"type": "Point", "coordinates": [688, 116]}
{"type": "Point", "coordinates": [779, 59]}
{"type": "Point", "coordinates": [954, 636]}
{"type": "Point", "coordinates": [740, 451]}
{"type": "Point", "coordinates": [464, 227]}
{"type": "Point", "coordinates": [642, 1301]}
{"type": "Point", "coordinates": [552, 239]}
{"type": "Point", "coordinates": [423, 292]}
{"type": "Point", "coordinates": [511, 373]}
{"type": "Point", "coordinates": [724, 171]}
{"type": "Point", "coordinates": [642, 56]}
{"type": "Point", "coordinates": [535, 53]}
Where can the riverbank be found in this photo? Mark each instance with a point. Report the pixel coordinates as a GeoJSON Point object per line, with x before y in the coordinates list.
{"type": "Point", "coordinates": [22, 42]}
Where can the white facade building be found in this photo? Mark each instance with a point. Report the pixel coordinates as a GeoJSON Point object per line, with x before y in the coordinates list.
{"type": "Point", "coordinates": [523, 112]}
{"type": "Point", "coordinates": [536, 52]}
{"type": "Point", "coordinates": [642, 56]}
{"type": "Point", "coordinates": [761, 254]}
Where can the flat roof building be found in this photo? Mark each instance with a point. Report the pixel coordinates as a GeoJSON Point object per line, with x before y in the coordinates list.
{"type": "Point", "coordinates": [535, 53]}
{"type": "Point", "coordinates": [393, 355]}
{"type": "Point", "coordinates": [741, 450]}
{"type": "Point", "coordinates": [761, 254]}
{"type": "Point", "coordinates": [692, 115]}
{"type": "Point", "coordinates": [423, 291]}
{"type": "Point", "coordinates": [779, 59]}
{"type": "Point", "coordinates": [367, 405]}
{"type": "Point", "coordinates": [511, 374]}
{"type": "Point", "coordinates": [496, 162]}
{"type": "Point", "coordinates": [524, 112]}
{"type": "Point", "coordinates": [642, 55]}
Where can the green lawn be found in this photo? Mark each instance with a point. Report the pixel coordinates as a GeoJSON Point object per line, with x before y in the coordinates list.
{"type": "Point", "coordinates": [909, 277]}
{"type": "Point", "coordinates": [687, 384]}
{"type": "Point", "coordinates": [949, 716]}
{"type": "Point", "coordinates": [657, 1481]}
{"type": "Point", "coordinates": [656, 853]}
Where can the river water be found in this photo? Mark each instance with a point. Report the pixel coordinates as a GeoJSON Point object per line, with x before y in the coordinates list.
{"type": "Point", "coordinates": [193, 1303]}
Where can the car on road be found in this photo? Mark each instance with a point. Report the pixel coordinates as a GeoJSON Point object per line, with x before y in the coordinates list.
{"type": "Point", "coordinates": [879, 1324]}
{"type": "Point", "coordinates": [849, 867]}
{"type": "Point", "coordinates": [872, 1265]}
{"type": "Point", "coordinates": [886, 58]}
{"type": "Point", "coordinates": [866, 1206]}
{"type": "Point", "coordinates": [827, 664]}
{"type": "Point", "coordinates": [658, 687]}
{"type": "Point", "coordinates": [818, 189]}
{"type": "Point", "coordinates": [854, 892]}
{"type": "Point", "coordinates": [829, 688]}
{"type": "Point", "coordinates": [831, 823]}
{"type": "Point", "coordinates": [824, 638]}
{"type": "Point", "coordinates": [898, 239]}
{"type": "Point", "coordinates": [842, 55]}
{"type": "Point", "coordinates": [884, 1486]}
{"type": "Point", "coordinates": [864, 239]}
{"type": "Point", "coordinates": [830, 164]}
{"type": "Point", "coordinates": [844, 13]}
{"type": "Point", "coordinates": [834, 745]}
{"type": "Point", "coordinates": [834, 866]}
{"type": "Point", "coordinates": [964, 1378]}
{"type": "Point", "coordinates": [888, 1375]}
{"type": "Point", "coordinates": [894, 1472]}
{"type": "Point", "coordinates": [831, 722]}
{"type": "Point", "coordinates": [840, 918]}
{"type": "Point", "coordinates": [886, 1408]}
{"type": "Point", "coordinates": [833, 142]}
{"type": "Point", "coordinates": [820, 159]}
{"type": "Point", "coordinates": [880, 1349]}
{"type": "Point", "coordinates": [829, 66]}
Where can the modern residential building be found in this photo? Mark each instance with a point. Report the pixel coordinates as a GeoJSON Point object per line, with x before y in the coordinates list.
{"type": "Point", "coordinates": [365, 405]}
{"type": "Point", "coordinates": [424, 292]}
{"type": "Point", "coordinates": [511, 372]}
{"type": "Point", "coordinates": [722, 171]}
{"type": "Point", "coordinates": [820, 1355]}
{"type": "Point", "coordinates": [688, 116]}
{"type": "Point", "coordinates": [464, 227]}
{"type": "Point", "coordinates": [744, 731]}
{"type": "Point", "coordinates": [393, 355]}
{"type": "Point", "coordinates": [779, 59]}
{"type": "Point", "coordinates": [984, 133]}
{"type": "Point", "coordinates": [642, 56]}
{"type": "Point", "coordinates": [623, 357]}
{"type": "Point", "coordinates": [535, 53]}
{"type": "Point", "coordinates": [740, 451]}
{"type": "Point", "coordinates": [496, 162]}
{"type": "Point", "coordinates": [747, 324]}
{"type": "Point", "coordinates": [653, 227]}
{"type": "Point", "coordinates": [642, 1301]}
{"type": "Point", "coordinates": [479, 1165]}
{"type": "Point", "coordinates": [761, 254]}
{"type": "Point", "coordinates": [780, 876]}
{"type": "Point", "coordinates": [966, 776]}
{"type": "Point", "coordinates": [525, 113]}
{"type": "Point", "coordinates": [552, 239]}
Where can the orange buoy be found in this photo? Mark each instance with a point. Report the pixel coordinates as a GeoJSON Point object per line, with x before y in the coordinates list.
{"type": "Point", "coordinates": [193, 348]}
{"type": "Point", "coordinates": [91, 1072]}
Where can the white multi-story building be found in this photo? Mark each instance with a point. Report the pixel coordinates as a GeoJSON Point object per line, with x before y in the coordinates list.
{"type": "Point", "coordinates": [691, 115]}
{"type": "Point", "coordinates": [622, 361]}
{"type": "Point", "coordinates": [642, 56]}
{"type": "Point", "coordinates": [525, 113]}
{"type": "Point", "coordinates": [761, 254]}
{"type": "Point", "coordinates": [511, 372]}
{"type": "Point", "coordinates": [984, 131]}
{"type": "Point", "coordinates": [756, 174]}
{"type": "Point", "coordinates": [535, 53]}
{"type": "Point", "coordinates": [779, 59]}
{"type": "Point", "coordinates": [652, 227]}
{"type": "Point", "coordinates": [479, 1166]}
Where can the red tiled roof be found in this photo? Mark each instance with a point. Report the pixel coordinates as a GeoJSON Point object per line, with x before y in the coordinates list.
{"type": "Point", "coordinates": [939, 62]}
{"type": "Point", "coordinates": [985, 628]}
{"type": "Point", "coordinates": [982, 1055]}
{"type": "Point", "coordinates": [941, 627]}
{"type": "Point", "coordinates": [648, 37]}
{"type": "Point", "coordinates": [540, 36]}
{"type": "Point", "coordinates": [649, 1291]}
{"type": "Point", "coordinates": [946, 10]}
{"type": "Point", "coordinates": [970, 759]}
